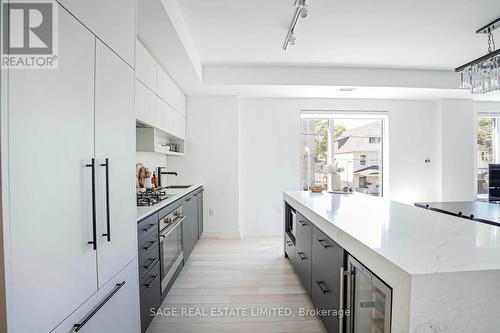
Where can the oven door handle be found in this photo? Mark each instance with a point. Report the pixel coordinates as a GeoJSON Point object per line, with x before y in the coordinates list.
{"type": "Point", "coordinates": [175, 225]}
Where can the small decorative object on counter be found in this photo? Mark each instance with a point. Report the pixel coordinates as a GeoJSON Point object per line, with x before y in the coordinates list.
{"type": "Point", "coordinates": [333, 172]}
{"type": "Point", "coordinates": [316, 188]}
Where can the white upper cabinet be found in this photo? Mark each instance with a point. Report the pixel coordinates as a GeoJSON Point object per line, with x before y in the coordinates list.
{"type": "Point", "coordinates": [165, 116]}
{"type": "Point", "coordinates": [145, 67]}
{"type": "Point", "coordinates": [145, 104]}
{"type": "Point", "coordinates": [51, 139]}
{"type": "Point", "coordinates": [169, 92]}
{"type": "Point", "coordinates": [159, 102]}
{"type": "Point", "coordinates": [179, 125]}
{"type": "Point", "coordinates": [115, 141]}
{"type": "Point", "coordinates": [113, 21]}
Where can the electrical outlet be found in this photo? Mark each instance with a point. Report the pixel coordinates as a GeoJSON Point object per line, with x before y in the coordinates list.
{"type": "Point", "coordinates": [211, 212]}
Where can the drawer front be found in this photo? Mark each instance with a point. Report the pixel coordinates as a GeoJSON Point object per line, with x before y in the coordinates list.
{"type": "Point", "coordinates": [290, 249]}
{"type": "Point", "coordinates": [324, 299]}
{"type": "Point", "coordinates": [148, 243]}
{"type": "Point", "coordinates": [302, 265]}
{"type": "Point", "coordinates": [114, 300]}
{"type": "Point", "coordinates": [304, 252]}
{"type": "Point", "coordinates": [150, 291]}
{"type": "Point", "coordinates": [146, 226]}
{"type": "Point", "coordinates": [304, 235]}
{"type": "Point", "coordinates": [327, 260]}
{"type": "Point", "coordinates": [148, 261]}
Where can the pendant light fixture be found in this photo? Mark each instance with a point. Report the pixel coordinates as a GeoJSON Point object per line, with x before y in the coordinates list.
{"type": "Point", "coordinates": [301, 10]}
{"type": "Point", "coordinates": [482, 75]}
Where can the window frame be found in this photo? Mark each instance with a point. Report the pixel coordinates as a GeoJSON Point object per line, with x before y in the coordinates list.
{"type": "Point", "coordinates": [495, 147]}
{"type": "Point", "coordinates": [359, 114]}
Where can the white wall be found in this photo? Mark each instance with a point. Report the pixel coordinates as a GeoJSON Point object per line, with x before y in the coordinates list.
{"type": "Point", "coordinates": [151, 160]}
{"type": "Point", "coordinates": [458, 146]}
{"type": "Point", "coordinates": [212, 159]}
{"type": "Point", "coordinates": [270, 157]}
{"type": "Point", "coordinates": [269, 162]}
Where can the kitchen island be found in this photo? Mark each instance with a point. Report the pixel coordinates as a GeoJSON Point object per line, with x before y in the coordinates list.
{"type": "Point", "coordinates": [443, 271]}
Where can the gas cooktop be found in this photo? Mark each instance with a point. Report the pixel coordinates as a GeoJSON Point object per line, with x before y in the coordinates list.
{"type": "Point", "coordinates": [151, 197]}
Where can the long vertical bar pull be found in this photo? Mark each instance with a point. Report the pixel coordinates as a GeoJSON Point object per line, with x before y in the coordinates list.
{"type": "Point", "coordinates": [108, 220]}
{"type": "Point", "coordinates": [94, 222]}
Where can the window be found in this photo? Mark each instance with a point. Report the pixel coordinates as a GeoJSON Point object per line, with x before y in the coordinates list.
{"type": "Point", "coordinates": [354, 143]}
{"type": "Point", "coordinates": [488, 133]}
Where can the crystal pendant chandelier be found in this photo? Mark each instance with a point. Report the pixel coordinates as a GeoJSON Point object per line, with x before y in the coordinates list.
{"type": "Point", "coordinates": [482, 75]}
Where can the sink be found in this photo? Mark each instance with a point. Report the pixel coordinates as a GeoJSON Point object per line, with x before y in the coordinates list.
{"type": "Point", "coordinates": [177, 186]}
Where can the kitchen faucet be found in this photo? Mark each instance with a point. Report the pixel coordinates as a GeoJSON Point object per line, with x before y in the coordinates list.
{"type": "Point", "coordinates": [164, 173]}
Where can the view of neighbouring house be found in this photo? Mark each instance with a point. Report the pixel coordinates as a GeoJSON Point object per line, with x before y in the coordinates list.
{"type": "Point", "coordinates": [359, 152]}
{"type": "Point", "coordinates": [354, 144]}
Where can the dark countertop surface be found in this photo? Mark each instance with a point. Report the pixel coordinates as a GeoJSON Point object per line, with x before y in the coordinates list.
{"type": "Point", "coordinates": [479, 211]}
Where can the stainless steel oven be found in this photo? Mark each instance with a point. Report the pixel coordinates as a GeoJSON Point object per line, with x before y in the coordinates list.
{"type": "Point", "coordinates": [368, 300]}
{"type": "Point", "coordinates": [171, 255]}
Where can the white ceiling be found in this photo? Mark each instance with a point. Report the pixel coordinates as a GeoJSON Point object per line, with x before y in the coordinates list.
{"type": "Point", "coordinates": [427, 34]}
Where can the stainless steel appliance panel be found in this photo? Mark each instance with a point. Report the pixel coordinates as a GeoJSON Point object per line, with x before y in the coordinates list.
{"type": "Point", "coordinates": [171, 254]}
{"type": "Point", "coordinates": [368, 299]}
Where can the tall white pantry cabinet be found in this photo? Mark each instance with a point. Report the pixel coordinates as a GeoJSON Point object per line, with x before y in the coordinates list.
{"type": "Point", "coordinates": [70, 241]}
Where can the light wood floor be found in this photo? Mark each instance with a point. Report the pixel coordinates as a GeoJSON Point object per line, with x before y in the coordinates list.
{"type": "Point", "coordinates": [231, 277]}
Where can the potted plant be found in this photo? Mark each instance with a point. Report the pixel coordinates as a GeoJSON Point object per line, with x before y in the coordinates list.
{"type": "Point", "coordinates": [333, 172]}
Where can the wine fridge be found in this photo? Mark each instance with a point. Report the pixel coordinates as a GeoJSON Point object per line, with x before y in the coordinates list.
{"type": "Point", "coordinates": [368, 299]}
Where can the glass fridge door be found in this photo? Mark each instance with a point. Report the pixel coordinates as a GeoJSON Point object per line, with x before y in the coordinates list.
{"type": "Point", "coordinates": [369, 300]}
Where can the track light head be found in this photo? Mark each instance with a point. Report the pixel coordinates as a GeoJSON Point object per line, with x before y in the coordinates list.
{"type": "Point", "coordinates": [304, 11]}
{"type": "Point", "coordinates": [292, 39]}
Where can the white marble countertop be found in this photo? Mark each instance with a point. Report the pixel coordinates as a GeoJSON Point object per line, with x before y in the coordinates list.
{"type": "Point", "coordinates": [176, 194]}
{"type": "Point", "coordinates": [411, 239]}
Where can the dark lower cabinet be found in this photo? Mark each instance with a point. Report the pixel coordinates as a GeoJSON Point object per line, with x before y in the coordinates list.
{"type": "Point", "coordinates": [149, 250]}
{"type": "Point", "coordinates": [190, 224]}
{"type": "Point", "coordinates": [150, 294]}
{"type": "Point", "coordinates": [149, 268]}
{"type": "Point", "coordinates": [303, 251]}
{"type": "Point", "coordinates": [327, 272]}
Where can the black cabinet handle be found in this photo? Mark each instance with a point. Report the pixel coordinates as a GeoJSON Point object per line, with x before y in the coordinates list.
{"type": "Point", "coordinates": [196, 194]}
{"type": "Point", "coordinates": [94, 222]}
{"type": "Point", "coordinates": [153, 278]}
{"type": "Point", "coordinates": [150, 226]}
{"type": "Point", "coordinates": [301, 255]}
{"type": "Point", "coordinates": [151, 261]}
{"type": "Point", "coordinates": [289, 243]}
{"type": "Point", "coordinates": [188, 199]}
{"type": "Point", "coordinates": [79, 326]}
{"type": "Point", "coordinates": [324, 243]}
{"type": "Point", "coordinates": [108, 223]}
{"type": "Point", "coordinates": [302, 223]}
{"type": "Point", "coordinates": [323, 287]}
{"type": "Point", "coordinates": [149, 246]}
